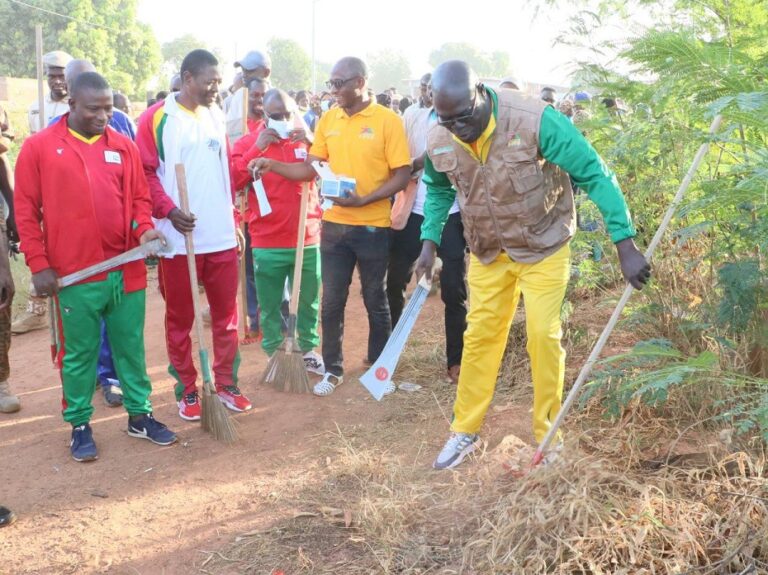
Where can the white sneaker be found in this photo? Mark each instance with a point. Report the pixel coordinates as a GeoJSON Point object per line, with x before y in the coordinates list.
{"type": "Point", "coordinates": [313, 362]}
{"type": "Point", "coordinates": [328, 384]}
{"type": "Point", "coordinates": [458, 446]}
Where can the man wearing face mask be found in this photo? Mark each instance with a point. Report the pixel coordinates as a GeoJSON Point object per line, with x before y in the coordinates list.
{"type": "Point", "coordinates": [506, 157]}
{"type": "Point", "coordinates": [273, 235]}
{"type": "Point", "coordinates": [189, 129]}
{"type": "Point", "coordinates": [255, 66]}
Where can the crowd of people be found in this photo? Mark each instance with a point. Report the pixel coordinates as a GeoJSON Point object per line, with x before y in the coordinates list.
{"type": "Point", "coordinates": [465, 168]}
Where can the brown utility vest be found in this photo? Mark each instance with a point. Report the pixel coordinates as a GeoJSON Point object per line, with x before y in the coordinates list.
{"type": "Point", "coordinates": [516, 202]}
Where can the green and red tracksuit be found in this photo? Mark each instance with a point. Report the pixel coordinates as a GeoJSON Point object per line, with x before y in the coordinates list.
{"type": "Point", "coordinates": [168, 135]}
{"type": "Point", "coordinates": [80, 202]}
{"type": "Point", "coordinates": [273, 240]}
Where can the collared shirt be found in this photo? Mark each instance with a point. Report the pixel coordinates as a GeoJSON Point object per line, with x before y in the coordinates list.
{"type": "Point", "coordinates": [368, 146]}
{"type": "Point", "coordinates": [52, 109]}
{"type": "Point", "coordinates": [560, 143]}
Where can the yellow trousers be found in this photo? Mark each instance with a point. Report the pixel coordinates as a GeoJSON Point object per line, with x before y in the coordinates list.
{"type": "Point", "coordinates": [494, 292]}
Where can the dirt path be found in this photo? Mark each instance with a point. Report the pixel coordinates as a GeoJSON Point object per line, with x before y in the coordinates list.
{"type": "Point", "coordinates": [148, 510]}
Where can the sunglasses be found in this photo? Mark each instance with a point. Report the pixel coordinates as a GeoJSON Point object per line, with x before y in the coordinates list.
{"type": "Point", "coordinates": [461, 118]}
{"type": "Point", "coordinates": [338, 83]}
{"type": "Point", "coordinates": [279, 117]}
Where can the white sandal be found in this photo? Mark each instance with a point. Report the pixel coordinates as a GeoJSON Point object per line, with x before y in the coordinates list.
{"type": "Point", "coordinates": [326, 386]}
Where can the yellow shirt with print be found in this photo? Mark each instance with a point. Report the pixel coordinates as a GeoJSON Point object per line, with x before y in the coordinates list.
{"type": "Point", "coordinates": [367, 146]}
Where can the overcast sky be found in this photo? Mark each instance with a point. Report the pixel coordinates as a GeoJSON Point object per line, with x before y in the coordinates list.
{"type": "Point", "coordinates": [344, 28]}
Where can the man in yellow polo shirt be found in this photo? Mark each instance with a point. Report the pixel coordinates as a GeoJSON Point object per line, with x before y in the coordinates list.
{"type": "Point", "coordinates": [362, 140]}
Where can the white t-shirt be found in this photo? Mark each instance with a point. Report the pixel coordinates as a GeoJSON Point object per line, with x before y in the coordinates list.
{"type": "Point", "coordinates": [197, 140]}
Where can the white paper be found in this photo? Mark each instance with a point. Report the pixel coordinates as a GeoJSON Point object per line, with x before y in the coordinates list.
{"type": "Point", "coordinates": [324, 171]}
{"type": "Point", "coordinates": [261, 198]}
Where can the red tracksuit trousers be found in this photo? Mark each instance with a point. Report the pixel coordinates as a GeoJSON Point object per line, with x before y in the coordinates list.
{"type": "Point", "coordinates": [218, 272]}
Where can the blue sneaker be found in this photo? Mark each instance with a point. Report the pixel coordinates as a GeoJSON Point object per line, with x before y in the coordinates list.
{"type": "Point", "coordinates": [82, 446]}
{"type": "Point", "coordinates": [147, 427]}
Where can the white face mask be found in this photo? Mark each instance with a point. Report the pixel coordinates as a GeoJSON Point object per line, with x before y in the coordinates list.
{"type": "Point", "coordinates": [282, 127]}
{"type": "Point", "coordinates": [325, 105]}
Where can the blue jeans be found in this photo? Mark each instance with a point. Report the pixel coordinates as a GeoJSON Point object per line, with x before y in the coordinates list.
{"type": "Point", "coordinates": [106, 367]}
{"type": "Point", "coordinates": [341, 248]}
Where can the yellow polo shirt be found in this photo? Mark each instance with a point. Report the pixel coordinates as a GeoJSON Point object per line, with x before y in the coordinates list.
{"type": "Point", "coordinates": [367, 146]}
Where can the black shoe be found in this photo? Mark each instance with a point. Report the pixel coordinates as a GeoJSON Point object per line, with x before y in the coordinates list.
{"type": "Point", "coordinates": [6, 516]}
{"type": "Point", "coordinates": [113, 395]}
{"type": "Point", "coordinates": [82, 446]}
{"type": "Point", "coordinates": [147, 427]}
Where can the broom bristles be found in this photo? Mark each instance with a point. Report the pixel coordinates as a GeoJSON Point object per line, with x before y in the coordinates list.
{"type": "Point", "coordinates": [215, 418]}
{"type": "Point", "coordinates": [286, 371]}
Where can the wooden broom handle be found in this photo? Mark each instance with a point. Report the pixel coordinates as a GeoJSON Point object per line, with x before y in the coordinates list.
{"type": "Point", "coordinates": [293, 306]}
{"type": "Point", "coordinates": [245, 110]}
{"type": "Point", "coordinates": [181, 183]}
{"type": "Point", "coordinates": [243, 208]}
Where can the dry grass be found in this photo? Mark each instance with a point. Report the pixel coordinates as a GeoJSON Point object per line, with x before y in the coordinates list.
{"type": "Point", "coordinates": [627, 497]}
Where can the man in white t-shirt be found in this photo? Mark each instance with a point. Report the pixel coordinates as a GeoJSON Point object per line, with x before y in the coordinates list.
{"type": "Point", "coordinates": [188, 128]}
{"type": "Point", "coordinates": [405, 242]}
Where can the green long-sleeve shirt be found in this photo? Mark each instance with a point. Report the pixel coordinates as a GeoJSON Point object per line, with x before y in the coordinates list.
{"type": "Point", "coordinates": [562, 144]}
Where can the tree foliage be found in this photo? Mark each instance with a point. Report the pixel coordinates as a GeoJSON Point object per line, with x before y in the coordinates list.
{"type": "Point", "coordinates": [174, 51]}
{"type": "Point", "coordinates": [105, 32]}
{"type": "Point", "coordinates": [493, 64]}
{"type": "Point", "coordinates": [704, 58]}
{"type": "Point", "coordinates": [291, 65]}
{"type": "Point", "coordinates": [388, 68]}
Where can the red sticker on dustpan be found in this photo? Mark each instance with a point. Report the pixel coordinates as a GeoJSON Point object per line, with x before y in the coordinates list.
{"type": "Point", "coordinates": [382, 374]}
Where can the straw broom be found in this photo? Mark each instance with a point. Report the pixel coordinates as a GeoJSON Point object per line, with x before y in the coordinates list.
{"type": "Point", "coordinates": [215, 418]}
{"type": "Point", "coordinates": [285, 370]}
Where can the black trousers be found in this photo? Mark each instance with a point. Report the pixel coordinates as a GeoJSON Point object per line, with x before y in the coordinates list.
{"type": "Point", "coordinates": [341, 247]}
{"type": "Point", "coordinates": [405, 246]}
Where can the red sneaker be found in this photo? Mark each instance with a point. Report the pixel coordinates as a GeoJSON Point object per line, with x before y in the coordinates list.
{"type": "Point", "coordinates": [189, 407]}
{"type": "Point", "coordinates": [231, 397]}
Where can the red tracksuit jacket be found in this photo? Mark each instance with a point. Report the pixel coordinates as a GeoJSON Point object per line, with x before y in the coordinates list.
{"type": "Point", "coordinates": [278, 229]}
{"type": "Point", "coordinates": [53, 188]}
